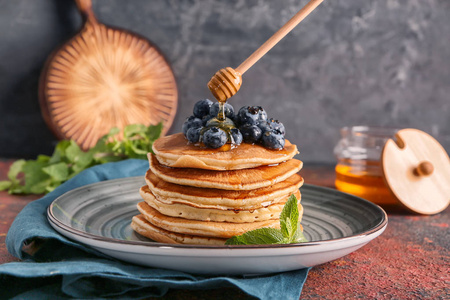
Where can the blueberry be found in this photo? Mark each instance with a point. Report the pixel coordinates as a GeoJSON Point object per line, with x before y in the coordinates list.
{"type": "Point", "coordinates": [262, 114]}
{"type": "Point", "coordinates": [277, 125]}
{"type": "Point", "coordinates": [202, 107]}
{"type": "Point", "coordinates": [193, 134]}
{"type": "Point", "coordinates": [191, 122]}
{"type": "Point", "coordinates": [265, 126]}
{"type": "Point", "coordinates": [251, 115]}
{"type": "Point", "coordinates": [244, 116]}
{"type": "Point", "coordinates": [229, 110]}
{"type": "Point", "coordinates": [250, 133]}
{"type": "Point", "coordinates": [214, 137]}
{"type": "Point", "coordinates": [236, 135]}
{"type": "Point", "coordinates": [205, 119]}
{"type": "Point", "coordinates": [273, 140]}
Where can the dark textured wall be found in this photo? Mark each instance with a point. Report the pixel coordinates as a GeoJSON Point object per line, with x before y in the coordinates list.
{"type": "Point", "coordinates": [383, 62]}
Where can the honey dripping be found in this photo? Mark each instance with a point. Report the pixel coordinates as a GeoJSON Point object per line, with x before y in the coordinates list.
{"type": "Point", "coordinates": [364, 179]}
{"type": "Point", "coordinates": [224, 123]}
{"type": "Point", "coordinates": [223, 85]}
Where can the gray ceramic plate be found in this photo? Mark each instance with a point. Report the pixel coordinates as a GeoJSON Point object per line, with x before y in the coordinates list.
{"type": "Point", "coordinates": [99, 216]}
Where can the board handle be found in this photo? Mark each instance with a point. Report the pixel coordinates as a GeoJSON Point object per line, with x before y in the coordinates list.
{"type": "Point", "coordinates": [85, 8]}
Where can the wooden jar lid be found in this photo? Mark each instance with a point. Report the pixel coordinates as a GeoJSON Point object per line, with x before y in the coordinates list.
{"type": "Point", "coordinates": [417, 170]}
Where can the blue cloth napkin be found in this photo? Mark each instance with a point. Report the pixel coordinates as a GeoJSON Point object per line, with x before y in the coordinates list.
{"type": "Point", "coordinates": [62, 268]}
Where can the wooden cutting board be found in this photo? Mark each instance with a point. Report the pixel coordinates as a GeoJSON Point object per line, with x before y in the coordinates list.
{"type": "Point", "coordinates": [102, 78]}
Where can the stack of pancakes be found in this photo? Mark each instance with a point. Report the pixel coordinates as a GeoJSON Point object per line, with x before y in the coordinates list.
{"type": "Point", "coordinates": [205, 196]}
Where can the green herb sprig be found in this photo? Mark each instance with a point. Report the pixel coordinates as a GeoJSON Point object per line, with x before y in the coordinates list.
{"type": "Point", "coordinates": [45, 173]}
{"type": "Point", "coordinates": [288, 233]}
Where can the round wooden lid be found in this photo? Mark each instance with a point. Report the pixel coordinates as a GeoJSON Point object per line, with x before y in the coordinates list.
{"type": "Point", "coordinates": [417, 170]}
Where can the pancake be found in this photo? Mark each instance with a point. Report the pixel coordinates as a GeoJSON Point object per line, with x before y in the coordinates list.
{"type": "Point", "coordinates": [141, 226]}
{"type": "Point", "coordinates": [271, 212]}
{"type": "Point", "coordinates": [171, 193]}
{"type": "Point", "coordinates": [175, 151]}
{"type": "Point", "coordinates": [244, 179]}
{"type": "Point", "coordinates": [200, 228]}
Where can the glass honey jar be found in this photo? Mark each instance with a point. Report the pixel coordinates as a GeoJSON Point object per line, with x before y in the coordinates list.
{"type": "Point", "coordinates": [358, 170]}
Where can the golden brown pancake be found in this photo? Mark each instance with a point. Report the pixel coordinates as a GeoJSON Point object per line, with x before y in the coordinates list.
{"type": "Point", "coordinates": [270, 212]}
{"type": "Point", "coordinates": [244, 179]}
{"type": "Point", "coordinates": [143, 227]}
{"type": "Point", "coordinates": [175, 151]}
{"type": "Point", "coordinates": [170, 193]}
{"type": "Point", "coordinates": [201, 228]}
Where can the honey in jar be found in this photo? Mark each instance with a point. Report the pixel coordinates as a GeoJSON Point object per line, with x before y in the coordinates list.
{"type": "Point", "coordinates": [358, 169]}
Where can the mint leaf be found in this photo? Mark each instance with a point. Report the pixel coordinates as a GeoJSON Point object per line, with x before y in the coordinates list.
{"type": "Point", "coordinates": [289, 219]}
{"type": "Point", "coordinates": [153, 132]}
{"type": "Point", "coordinates": [73, 151]}
{"type": "Point", "coordinates": [4, 185]}
{"type": "Point", "coordinates": [84, 160]}
{"type": "Point", "coordinates": [45, 173]}
{"type": "Point", "coordinates": [60, 152]}
{"type": "Point", "coordinates": [299, 237]}
{"type": "Point", "coordinates": [289, 233]}
{"type": "Point", "coordinates": [34, 175]}
{"type": "Point", "coordinates": [257, 237]}
{"type": "Point", "coordinates": [80, 159]}
{"type": "Point", "coordinates": [43, 158]}
{"type": "Point", "coordinates": [40, 187]}
{"type": "Point", "coordinates": [15, 169]}
{"type": "Point", "coordinates": [135, 151]}
{"type": "Point", "coordinates": [58, 172]}
{"type": "Point", "coordinates": [132, 130]}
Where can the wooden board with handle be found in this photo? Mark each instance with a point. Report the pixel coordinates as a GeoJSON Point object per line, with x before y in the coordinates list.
{"type": "Point", "coordinates": [102, 78]}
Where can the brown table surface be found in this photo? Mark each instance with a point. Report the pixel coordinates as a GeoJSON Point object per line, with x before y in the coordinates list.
{"type": "Point", "coordinates": [410, 260]}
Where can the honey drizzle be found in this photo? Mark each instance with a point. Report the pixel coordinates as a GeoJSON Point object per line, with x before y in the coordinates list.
{"type": "Point", "coordinates": [221, 122]}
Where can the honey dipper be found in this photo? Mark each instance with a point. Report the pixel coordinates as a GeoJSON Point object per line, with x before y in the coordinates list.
{"type": "Point", "coordinates": [226, 82]}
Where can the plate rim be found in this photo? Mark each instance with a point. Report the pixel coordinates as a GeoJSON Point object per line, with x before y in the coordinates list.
{"type": "Point", "coordinates": [85, 235]}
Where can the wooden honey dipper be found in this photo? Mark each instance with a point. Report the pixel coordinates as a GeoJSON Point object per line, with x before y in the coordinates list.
{"type": "Point", "coordinates": [226, 82]}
